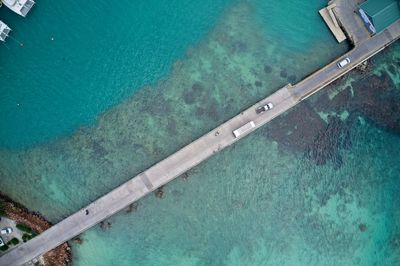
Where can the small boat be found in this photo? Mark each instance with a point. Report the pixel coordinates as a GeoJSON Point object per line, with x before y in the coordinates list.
{"type": "Point", "coordinates": [4, 30]}
{"type": "Point", "coordinates": [20, 7]}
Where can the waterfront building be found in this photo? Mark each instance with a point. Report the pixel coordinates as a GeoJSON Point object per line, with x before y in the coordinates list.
{"type": "Point", "coordinates": [379, 14]}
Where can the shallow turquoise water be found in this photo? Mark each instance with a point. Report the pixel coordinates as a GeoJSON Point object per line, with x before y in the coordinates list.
{"type": "Point", "coordinates": [101, 53]}
{"type": "Point", "coordinates": [199, 93]}
{"type": "Point", "coordinates": [318, 186]}
{"type": "Point", "coordinates": [264, 201]}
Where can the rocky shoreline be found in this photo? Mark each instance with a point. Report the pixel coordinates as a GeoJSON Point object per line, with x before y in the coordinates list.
{"type": "Point", "coordinates": [60, 256]}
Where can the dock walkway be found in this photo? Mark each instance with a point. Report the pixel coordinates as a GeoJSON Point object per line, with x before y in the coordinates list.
{"type": "Point", "coordinates": [330, 19]}
{"type": "Point", "coordinates": [345, 12]}
{"type": "Point", "coordinates": [193, 154]}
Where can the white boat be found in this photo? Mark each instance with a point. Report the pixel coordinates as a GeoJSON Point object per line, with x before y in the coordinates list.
{"type": "Point", "coordinates": [4, 30]}
{"type": "Point", "coordinates": [20, 7]}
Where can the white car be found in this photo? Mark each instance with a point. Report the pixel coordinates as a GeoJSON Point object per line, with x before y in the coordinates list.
{"type": "Point", "coordinates": [343, 63]}
{"type": "Point", "coordinates": [1, 242]}
{"type": "Point", "coordinates": [264, 108]}
{"type": "Point", "coordinates": [6, 231]}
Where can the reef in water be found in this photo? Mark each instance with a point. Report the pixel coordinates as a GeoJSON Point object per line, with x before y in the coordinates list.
{"type": "Point", "coordinates": [321, 126]}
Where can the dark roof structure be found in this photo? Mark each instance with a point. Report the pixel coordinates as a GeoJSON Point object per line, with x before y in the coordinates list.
{"type": "Point", "coordinates": [381, 13]}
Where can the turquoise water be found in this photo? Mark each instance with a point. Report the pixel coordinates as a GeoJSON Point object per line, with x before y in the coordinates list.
{"type": "Point", "coordinates": [317, 186]}
{"type": "Point", "coordinates": [101, 53]}
{"type": "Point", "coordinates": [268, 201]}
{"type": "Point", "coordinates": [79, 59]}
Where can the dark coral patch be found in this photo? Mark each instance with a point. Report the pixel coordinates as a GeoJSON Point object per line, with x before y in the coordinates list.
{"type": "Point", "coordinates": [395, 242]}
{"type": "Point", "coordinates": [378, 101]}
{"type": "Point", "coordinates": [283, 73]}
{"type": "Point", "coordinates": [258, 83]}
{"type": "Point", "coordinates": [372, 97]}
{"type": "Point", "coordinates": [338, 104]}
{"type": "Point", "coordinates": [171, 126]}
{"type": "Point", "coordinates": [362, 227]}
{"type": "Point", "coordinates": [327, 143]}
{"type": "Point", "coordinates": [190, 96]}
{"type": "Point", "coordinates": [240, 47]}
{"type": "Point", "coordinates": [199, 111]}
{"type": "Point", "coordinates": [296, 130]}
{"type": "Point", "coordinates": [197, 87]}
{"type": "Point", "coordinates": [267, 69]}
{"type": "Point", "coordinates": [212, 112]}
{"type": "Point", "coordinates": [292, 79]}
{"type": "Point", "coordinates": [303, 130]}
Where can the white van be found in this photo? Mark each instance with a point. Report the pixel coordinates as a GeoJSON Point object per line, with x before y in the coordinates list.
{"type": "Point", "coordinates": [343, 63]}
{"type": "Point", "coordinates": [243, 129]}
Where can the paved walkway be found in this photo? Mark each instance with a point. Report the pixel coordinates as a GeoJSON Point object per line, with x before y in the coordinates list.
{"type": "Point", "coordinates": [350, 21]}
{"type": "Point", "coordinates": [331, 21]}
{"type": "Point", "coordinates": [156, 176]}
{"type": "Point", "coordinates": [331, 72]}
{"type": "Point", "coordinates": [192, 154]}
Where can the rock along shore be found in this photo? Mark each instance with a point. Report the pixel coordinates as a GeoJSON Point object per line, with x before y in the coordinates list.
{"type": "Point", "coordinates": [61, 255]}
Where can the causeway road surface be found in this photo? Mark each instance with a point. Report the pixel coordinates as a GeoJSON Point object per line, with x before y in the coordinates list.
{"type": "Point", "coordinates": [192, 154]}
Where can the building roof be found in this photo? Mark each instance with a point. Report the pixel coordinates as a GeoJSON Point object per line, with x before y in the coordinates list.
{"type": "Point", "coordinates": [382, 12]}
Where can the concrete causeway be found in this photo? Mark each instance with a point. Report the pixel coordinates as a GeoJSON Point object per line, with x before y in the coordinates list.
{"type": "Point", "coordinates": [358, 55]}
{"type": "Point", "coordinates": [194, 153]}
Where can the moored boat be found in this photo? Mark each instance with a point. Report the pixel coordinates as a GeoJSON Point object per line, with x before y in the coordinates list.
{"type": "Point", "coordinates": [21, 7]}
{"type": "Point", "coordinates": [4, 30]}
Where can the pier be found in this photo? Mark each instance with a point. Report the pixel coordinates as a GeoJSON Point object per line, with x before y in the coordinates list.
{"type": "Point", "coordinates": [211, 143]}
{"type": "Point", "coordinates": [331, 21]}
